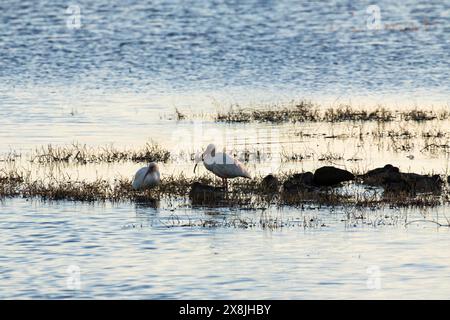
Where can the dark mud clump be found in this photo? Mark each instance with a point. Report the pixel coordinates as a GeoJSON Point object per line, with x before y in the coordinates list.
{"type": "Point", "coordinates": [270, 184]}
{"type": "Point", "coordinates": [299, 182]}
{"type": "Point", "coordinates": [394, 181]}
{"type": "Point", "coordinates": [330, 176]}
{"type": "Point", "coordinates": [323, 177]}
{"type": "Point", "coordinates": [204, 194]}
{"type": "Point", "coordinates": [381, 176]}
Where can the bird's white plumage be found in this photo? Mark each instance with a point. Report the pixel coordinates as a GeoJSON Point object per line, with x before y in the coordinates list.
{"type": "Point", "coordinates": [222, 164]}
{"type": "Point", "coordinates": [146, 177]}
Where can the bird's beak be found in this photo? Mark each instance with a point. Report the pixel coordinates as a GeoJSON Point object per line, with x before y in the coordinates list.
{"type": "Point", "coordinates": [197, 161]}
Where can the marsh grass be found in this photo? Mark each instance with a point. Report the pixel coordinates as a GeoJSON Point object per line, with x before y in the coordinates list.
{"type": "Point", "coordinates": [354, 217]}
{"type": "Point", "coordinates": [180, 115]}
{"type": "Point", "coordinates": [295, 156]}
{"type": "Point", "coordinates": [300, 112]}
{"type": "Point", "coordinates": [348, 113]}
{"type": "Point", "coordinates": [243, 194]}
{"type": "Point", "coordinates": [403, 138]}
{"type": "Point", "coordinates": [397, 134]}
{"type": "Point", "coordinates": [11, 156]}
{"type": "Point", "coordinates": [306, 111]}
{"type": "Point", "coordinates": [81, 153]}
{"type": "Point", "coordinates": [419, 115]}
{"type": "Point", "coordinates": [330, 157]}
{"type": "Point", "coordinates": [10, 183]}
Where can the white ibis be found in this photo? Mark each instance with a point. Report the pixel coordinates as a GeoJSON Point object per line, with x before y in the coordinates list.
{"type": "Point", "coordinates": [146, 177]}
{"type": "Point", "coordinates": [222, 165]}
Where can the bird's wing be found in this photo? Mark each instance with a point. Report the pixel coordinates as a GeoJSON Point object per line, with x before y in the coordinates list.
{"type": "Point", "coordinates": [139, 178]}
{"type": "Point", "coordinates": [243, 171]}
{"type": "Point", "coordinates": [228, 167]}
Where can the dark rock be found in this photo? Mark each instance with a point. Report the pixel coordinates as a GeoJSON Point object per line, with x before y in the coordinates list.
{"type": "Point", "coordinates": [306, 178]}
{"type": "Point", "coordinates": [270, 183]}
{"type": "Point", "coordinates": [382, 176]}
{"type": "Point", "coordinates": [422, 183]}
{"type": "Point", "coordinates": [392, 180]}
{"type": "Point", "coordinates": [400, 186]}
{"type": "Point", "coordinates": [386, 168]}
{"type": "Point", "coordinates": [329, 176]}
{"type": "Point", "coordinates": [299, 182]}
{"type": "Point", "coordinates": [198, 187]}
{"type": "Point", "coordinates": [205, 194]}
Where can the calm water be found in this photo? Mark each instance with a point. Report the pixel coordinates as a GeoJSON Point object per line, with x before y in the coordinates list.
{"type": "Point", "coordinates": [119, 77]}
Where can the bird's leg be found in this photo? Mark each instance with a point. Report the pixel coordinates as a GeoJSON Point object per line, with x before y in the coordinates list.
{"type": "Point", "coordinates": [225, 188]}
{"type": "Point", "coordinates": [223, 184]}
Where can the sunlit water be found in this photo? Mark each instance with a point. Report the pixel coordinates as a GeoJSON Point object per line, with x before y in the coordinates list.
{"type": "Point", "coordinates": [125, 251]}
{"type": "Point", "coordinates": [118, 80]}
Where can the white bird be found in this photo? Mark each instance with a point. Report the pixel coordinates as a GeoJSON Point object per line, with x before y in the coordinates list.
{"type": "Point", "coordinates": [222, 165]}
{"type": "Point", "coordinates": [146, 177]}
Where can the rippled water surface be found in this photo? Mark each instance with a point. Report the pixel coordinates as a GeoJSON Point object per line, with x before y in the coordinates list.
{"type": "Point", "coordinates": [125, 251]}
{"type": "Point", "coordinates": [128, 64]}
{"type": "Point", "coordinates": [120, 76]}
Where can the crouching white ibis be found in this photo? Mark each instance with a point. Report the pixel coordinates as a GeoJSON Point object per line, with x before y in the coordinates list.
{"type": "Point", "coordinates": [146, 177]}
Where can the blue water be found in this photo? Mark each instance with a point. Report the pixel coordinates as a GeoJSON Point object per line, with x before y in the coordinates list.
{"type": "Point", "coordinates": [156, 46]}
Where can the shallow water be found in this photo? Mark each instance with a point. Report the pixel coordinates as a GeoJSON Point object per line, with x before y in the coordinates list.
{"type": "Point", "coordinates": [125, 252]}
{"type": "Point", "coordinates": [118, 80]}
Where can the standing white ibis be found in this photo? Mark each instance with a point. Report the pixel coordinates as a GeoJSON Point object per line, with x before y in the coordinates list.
{"type": "Point", "coordinates": [146, 177]}
{"type": "Point", "coordinates": [222, 165]}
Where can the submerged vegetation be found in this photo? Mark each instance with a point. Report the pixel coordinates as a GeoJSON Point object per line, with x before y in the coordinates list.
{"type": "Point", "coordinates": [264, 221]}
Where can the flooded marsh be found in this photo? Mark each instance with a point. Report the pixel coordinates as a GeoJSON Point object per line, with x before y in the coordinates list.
{"type": "Point", "coordinates": [342, 122]}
